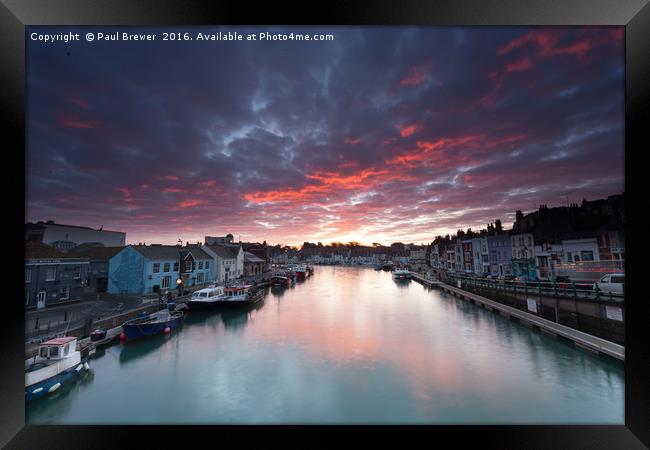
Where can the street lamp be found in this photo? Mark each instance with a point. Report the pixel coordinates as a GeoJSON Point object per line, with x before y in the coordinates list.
{"type": "Point", "coordinates": [179, 285]}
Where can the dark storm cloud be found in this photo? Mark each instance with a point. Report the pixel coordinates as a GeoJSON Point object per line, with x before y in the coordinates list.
{"type": "Point", "coordinates": [382, 134]}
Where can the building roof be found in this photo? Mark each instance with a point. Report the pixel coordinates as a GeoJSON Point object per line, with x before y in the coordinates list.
{"type": "Point", "coordinates": [94, 252]}
{"type": "Point", "coordinates": [250, 258]}
{"type": "Point", "coordinates": [224, 251]}
{"type": "Point", "coordinates": [38, 250]}
{"type": "Point", "coordinates": [51, 223]}
{"type": "Point", "coordinates": [158, 251]}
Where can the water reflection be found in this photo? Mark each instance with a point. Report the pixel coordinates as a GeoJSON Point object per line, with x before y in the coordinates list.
{"type": "Point", "coordinates": [137, 349]}
{"type": "Point", "coordinates": [348, 345]}
{"type": "Point", "coordinates": [237, 318]}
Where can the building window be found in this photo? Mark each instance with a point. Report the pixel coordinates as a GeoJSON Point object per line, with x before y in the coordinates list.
{"type": "Point", "coordinates": [166, 267]}
{"type": "Point", "coordinates": [207, 264]}
{"type": "Point", "coordinates": [28, 275]}
{"type": "Point", "coordinates": [26, 297]}
{"type": "Point", "coordinates": [156, 267]}
{"type": "Point", "coordinates": [200, 265]}
{"type": "Point", "coordinates": [199, 277]}
{"type": "Point", "coordinates": [188, 266]}
{"type": "Point", "coordinates": [176, 267]}
{"type": "Point", "coordinates": [587, 255]}
{"type": "Point", "coordinates": [76, 272]}
{"type": "Point", "coordinates": [166, 280]}
{"type": "Point", "coordinates": [65, 293]}
{"type": "Point", "coordinates": [50, 274]}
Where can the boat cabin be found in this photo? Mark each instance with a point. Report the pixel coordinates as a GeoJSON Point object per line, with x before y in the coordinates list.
{"type": "Point", "coordinates": [206, 293]}
{"type": "Point", "coordinates": [237, 291]}
{"type": "Point", "coordinates": [58, 348]}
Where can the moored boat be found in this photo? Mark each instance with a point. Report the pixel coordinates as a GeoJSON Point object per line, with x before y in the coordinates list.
{"type": "Point", "coordinates": [241, 295]}
{"type": "Point", "coordinates": [206, 298]}
{"type": "Point", "coordinates": [301, 272]}
{"type": "Point", "coordinates": [152, 324]}
{"type": "Point", "coordinates": [58, 361]}
{"type": "Point", "coordinates": [280, 281]}
{"type": "Point", "coordinates": [388, 265]}
{"type": "Point", "coordinates": [402, 274]}
{"type": "Point", "coordinates": [103, 336]}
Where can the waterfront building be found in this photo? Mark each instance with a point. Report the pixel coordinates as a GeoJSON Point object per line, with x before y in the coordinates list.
{"type": "Point", "coordinates": [499, 251]}
{"type": "Point", "coordinates": [523, 254]}
{"type": "Point", "coordinates": [51, 276]}
{"type": "Point", "coordinates": [261, 251]}
{"type": "Point", "coordinates": [480, 258]}
{"type": "Point", "coordinates": [577, 250]}
{"type": "Point", "coordinates": [418, 259]}
{"type": "Point", "coordinates": [228, 261]}
{"type": "Point", "coordinates": [253, 265]}
{"type": "Point", "coordinates": [548, 257]}
{"type": "Point", "coordinates": [468, 257]}
{"type": "Point", "coordinates": [458, 252]}
{"type": "Point", "coordinates": [98, 270]}
{"type": "Point", "coordinates": [67, 237]}
{"type": "Point", "coordinates": [140, 269]}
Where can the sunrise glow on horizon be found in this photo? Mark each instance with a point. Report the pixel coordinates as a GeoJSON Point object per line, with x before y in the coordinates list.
{"type": "Point", "coordinates": [382, 135]}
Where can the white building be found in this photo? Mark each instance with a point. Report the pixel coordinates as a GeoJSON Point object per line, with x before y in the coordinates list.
{"type": "Point", "coordinates": [481, 255]}
{"type": "Point", "coordinates": [228, 261]}
{"type": "Point", "coordinates": [67, 237]}
{"type": "Point", "coordinates": [547, 258]}
{"type": "Point", "coordinates": [577, 250]}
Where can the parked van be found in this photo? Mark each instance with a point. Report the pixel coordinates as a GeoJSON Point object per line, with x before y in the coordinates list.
{"type": "Point", "coordinates": [611, 283]}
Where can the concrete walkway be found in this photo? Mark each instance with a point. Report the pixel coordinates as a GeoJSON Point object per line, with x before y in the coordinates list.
{"type": "Point", "coordinates": [580, 339]}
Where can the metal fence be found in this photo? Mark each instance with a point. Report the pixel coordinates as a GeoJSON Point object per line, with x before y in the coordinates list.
{"type": "Point", "coordinates": [590, 311]}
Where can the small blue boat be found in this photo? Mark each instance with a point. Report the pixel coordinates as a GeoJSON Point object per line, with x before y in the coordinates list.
{"type": "Point", "coordinates": [152, 324]}
{"type": "Point", "coordinates": [58, 362]}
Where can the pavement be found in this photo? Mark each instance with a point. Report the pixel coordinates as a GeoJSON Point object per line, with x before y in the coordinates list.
{"type": "Point", "coordinates": [45, 322]}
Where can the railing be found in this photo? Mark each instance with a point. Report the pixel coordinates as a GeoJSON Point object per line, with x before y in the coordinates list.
{"type": "Point", "coordinates": [592, 311]}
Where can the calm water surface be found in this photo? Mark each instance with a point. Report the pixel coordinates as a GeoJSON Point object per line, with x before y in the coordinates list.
{"type": "Point", "coordinates": [348, 345]}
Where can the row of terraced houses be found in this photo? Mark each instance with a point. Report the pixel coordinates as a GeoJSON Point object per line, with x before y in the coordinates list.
{"type": "Point", "coordinates": [541, 245]}
{"type": "Point", "coordinates": [81, 264]}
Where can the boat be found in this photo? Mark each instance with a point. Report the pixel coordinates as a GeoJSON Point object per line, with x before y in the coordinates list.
{"type": "Point", "coordinates": [103, 336]}
{"type": "Point", "coordinates": [241, 295]}
{"type": "Point", "coordinates": [58, 361]}
{"type": "Point", "coordinates": [280, 281]}
{"type": "Point", "coordinates": [388, 266]}
{"type": "Point", "coordinates": [301, 272]}
{"type": "Point", "coordinates": [206, 298]}
{"type": "Point", "coordinates": [310, 270]}
{"type": "Point", "coordinates": [152, 324]}
{"type": "Point", "coordinates": [401, 274]}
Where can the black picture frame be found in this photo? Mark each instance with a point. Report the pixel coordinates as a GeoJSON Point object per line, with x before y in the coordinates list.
{"type": "Point", "coordinates": [633, 14]}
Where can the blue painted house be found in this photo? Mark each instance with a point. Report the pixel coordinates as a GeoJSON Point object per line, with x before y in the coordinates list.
{"type": "Point", "coordinates": [499, 254]}
{"type": "Point", "coordinates": [140, 269]}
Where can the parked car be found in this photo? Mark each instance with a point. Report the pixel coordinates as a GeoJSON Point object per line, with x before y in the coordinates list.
{"type": "Point", "coordinates": [611, 283]}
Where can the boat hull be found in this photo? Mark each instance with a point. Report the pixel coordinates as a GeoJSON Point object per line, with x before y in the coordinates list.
{"type": "Point", "coordinates": [203, 306]}
{"type": "Point", "coordinates": [49, 385]}
{"type": "Point", "coordinates": [142, 330]}
{"type": "Point", "coordinates": [228, 304]}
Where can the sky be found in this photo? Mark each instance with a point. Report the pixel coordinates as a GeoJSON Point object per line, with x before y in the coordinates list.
{"type": "Point", "coordinates": [381, 135]}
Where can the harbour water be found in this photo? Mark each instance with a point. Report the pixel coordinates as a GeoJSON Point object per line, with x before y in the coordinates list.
{"type": "Point", "coordinates": [347, 345]}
